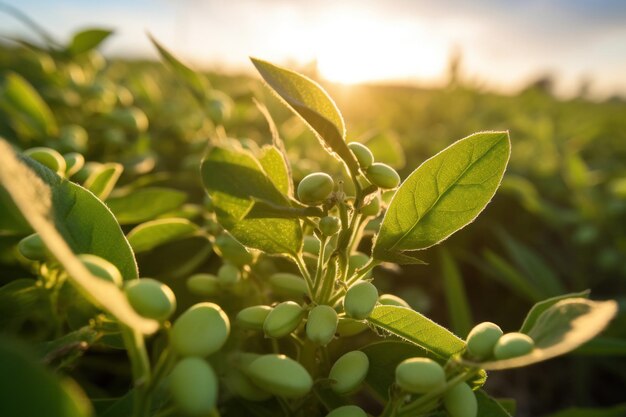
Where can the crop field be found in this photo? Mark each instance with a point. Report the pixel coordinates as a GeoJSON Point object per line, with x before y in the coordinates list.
{"type": "Point", "coordinates": [181, 243]}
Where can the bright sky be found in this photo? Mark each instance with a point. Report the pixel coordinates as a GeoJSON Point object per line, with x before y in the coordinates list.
{"type": "Point", "coordinates": [504, 43]}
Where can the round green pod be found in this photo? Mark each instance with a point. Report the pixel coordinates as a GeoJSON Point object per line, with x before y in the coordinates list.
{"type": "Point", "coordinates": [203, 285]}
{"type": "Point", "coordinates": [228, 274]}
{"type": "Point", "coordinates": [239, 384]}
{"type": "Point", "coordinates": [347, 411]}
{"type": "Point", "coordinates": [329, 225]}
{"type": "Point", "coordinates": [347, 327]}
{"type": "Point", "coordinates": [358, 260]}
{"type": "Point", "coordinates": [280, 375]}
{"type": "Point", "coordinates": [48, 157]}
{"type": "Point", "coordinates": [311, 245]}
{"type": "Point", "coordinates": [460, 401]}
{"type": "Point", "coordinates": [392, 300]}
{"type": "Point", "coordinates": [420, 375]}
{"type": "Point", "coordinates": [512, 345]}
{"type": "Point", "coordinates": [362, 153]}
{"type": "Point", "coordinates": [101, 268]}
{"type": "Point", "coordinates": [349, 371]}
{"type": "Point", "coordinates": [372, 208]}
{"type": "Point", "coordinates": [360, 300]}
{"type": "Point", "coordinates": [482, 339]}
{"type": "Point", "coordinates": [321, 324]}
{"type": "Point", "coordinates": [32, 248]}
{"type": "Point", "coordinates": [283, 319]}
{"type": "Point", "coordinates": [200, 331]}
{"type": "Point", "coordinates": [194, 386]}
{"type": "Point", "coordinates": [230, 249]}
{"type": "Point", "coordinates": [289, 285]}
{"type": "Point", "coordinates": [150, 298]}
{"type": "Point", "coordinates": [315, 188]}
{"type": "Point", "coordinates": [383, 176]}
{"type": "Point", "coordinates": [253, 317]}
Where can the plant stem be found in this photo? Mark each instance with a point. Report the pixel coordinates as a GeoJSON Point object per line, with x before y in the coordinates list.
{"type": "Point", "coordinates": [140, 365]}
{"type": "Point", "coordinates": [319, 270]}
{"type": "Point", "coordinates": [305, 273]}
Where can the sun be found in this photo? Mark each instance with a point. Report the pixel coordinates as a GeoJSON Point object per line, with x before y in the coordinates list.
{"type": "Point", "coordinates": [357, 48]}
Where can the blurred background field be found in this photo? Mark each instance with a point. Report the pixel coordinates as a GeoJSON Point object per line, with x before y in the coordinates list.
{"type": "Point", "coordinates": [557, 225]}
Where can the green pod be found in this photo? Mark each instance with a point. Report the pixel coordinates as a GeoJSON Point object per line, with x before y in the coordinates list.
{"type": "Point", "coordinates": [512, 345]}
{"type": "Point", "coordinates": [383, 176]}
{"type": "Point", "coordinates": [283, 319]}
{"type": "Point", "coordinates": [349, 372]}
{"type": "Point", "coordinates": [228, 274]}
{"type": "Point", "coordinates": [362, 153]}
{"type": "Point", "coordinates": [311, 245]}
{"type": "Point", "coordinates": [356, 261]}
{"type": "Point", "coordinates": [460, 401]}
{"type": "Point", "coordinates": [253, 317]}
{"type": "Point", "coordinates": [315, 188]}
{"type": "Point", "coordinates": [48, 157]}
{"type": "Point", "coordinates": [482, 339]}
{"type": "Point", "coordinates": [150, 298]}
{"type": "Point", "coordinates": [420, 375]}
{"type": "Point", "coordinates": [280, 375]}
{"type": "Point", "coordinates": [101, 268]}
{"type": "Point", "coordinates": [360, 300]}
{"type": "Point", "coordinates": [194, 386]}
{"type": "Point", "coordinates": [372, 208]}
{"type": "Point", "coordinates": [347, 411]}
{"type": "Point", "coordinates": [239, 384]}
{"type": "Point", "coordinates": [321, 324]}
{"type": "Point", "coordinates": [231, 250]}
{"type": "Point", "coordinates": [329, 225]}
{"type": "Point", "coordinates": [347, 327]}
{"type": "Point", "coordinates": [392, 300]}
{"type": "Point", "coordinates": [203, 285]}
{"type": "Point", "coordinates": [73, 138]}
{"type": "Point", "coordinates": [74, 162]}
{"type": "Point", "coordinates": [130, 118]}
{"type": "Point", "coordinates": [200, 331]}
{"type": "Point", "coordinates": [32, 248]}
{"type": "Point", "coordinates": [288, 285]}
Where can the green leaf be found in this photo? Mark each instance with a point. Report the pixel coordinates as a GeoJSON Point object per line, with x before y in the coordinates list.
{"type": "Point", "coordinates": [86, 40]}
{"type": "Point", "coordinates": [154, 233]}
{"type": "Point", "coordinates": [540, 307]}
{"type": "Point", "coordinates": [560, 329]}
{"type": "Point", "coordinates": [616, 411]}
{"type": "Point", "coordinates": [275, 167]}
{"type": "Point", "coordinates": [309, 100]}
{"type": "Point", "coordinates": [28, 389]}
{"type": "Point", "coordinates": [489, 407]}
{"type": "Point", "coordinates": [233, 179]}
{"type": "Point", "coordinates": [145, 204]}
{"type": "Point", "coordinates": [418, 329]}
{"type": "Point", "coordinates": [503, 271]}
{"type": "Point", "coordinates": [70, 220]}
{"type": "Point", "coordinates": [21, 300]}
{"type": "Point", "coordinates": [194, 81]}
{"type": "Point", "coordinates": [456, 297]}
{"type": "Point", "coordinates": [101, 181]}
{"type": "Point", "coordinates": [444, 194]}
{"type": "Point", "coordinates": [28, 113]}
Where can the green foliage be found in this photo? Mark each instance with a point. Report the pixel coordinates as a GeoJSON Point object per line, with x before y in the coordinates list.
{"type": "Point", "coordinates": [87, 40]}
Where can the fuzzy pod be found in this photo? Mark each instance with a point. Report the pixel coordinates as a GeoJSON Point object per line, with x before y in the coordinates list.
{"type": "Point", "coordinates": [288, 285]}
{"type": "Point", "coordinates": [239, 384]}
{"type": "Point", "coordinates": [329, 225]}
{"type": "Point", "coordinates": [383, 176]}
{"type": "Point", "coordinates": [283, 319]}
{"type": "Point", "coordinates": [347, 411]}
{"type": "Point", "coordinates": [150, 298]}
{"type": "Point", "coordinates": [460, 401]}
{"type": "Point", "coordinates": [356, 261]}
{"type": "Point", "coordinates": [349, 372]}
{"type": "Point", "coordinates": [280, 376]}
{"type": "Point", "coordinates": [360, 300]}
{"type": "Point", "coordinates": [32, 248]}
{"type": "Point", "coordinates": [482, 339]}
{"type": "Point", "coordinates": [232, 250]}
{"type": "Point", "coordinates": [200, 331]}
{"type": "Point", "coordinates": [194, 386]}
{"type": "Point", "coordinates": [253, 317]}
{"type": "Point", "coordinates": [321, 324]}
{"type": "Point", "coordinates": [512, 345]}
{"type": "Point", "coordinates": [228, 274]}
{"type": "Point", "coordinates": [420, 375]}
{"type": "Point", "coordinates": [362, 154]}
{"type": "Point", "coordinates": [203, 285]}
{"type": "Point", "coordinates": [315, 188]}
